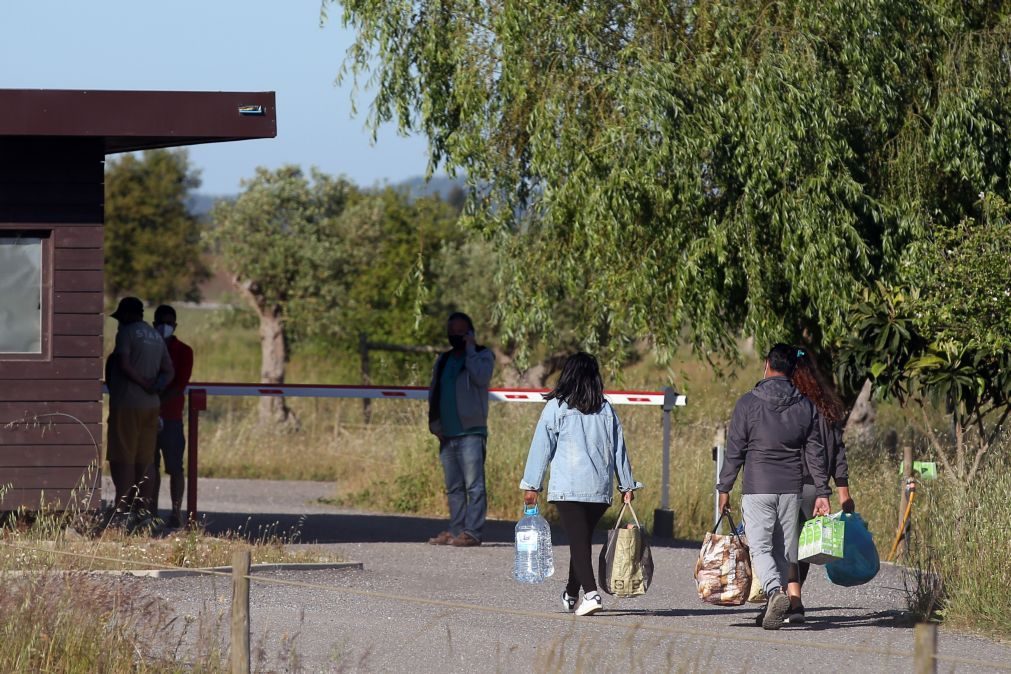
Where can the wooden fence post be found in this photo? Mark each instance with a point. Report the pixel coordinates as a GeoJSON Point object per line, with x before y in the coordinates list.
{"type": "Point", "coordinates": [240, 612]}
{"type": "Point", "coordinates": [363, 350]}
{"type": "Point", "coordinates": [925, 649]}
{"type": "Point", "coordinates": [907, 473]}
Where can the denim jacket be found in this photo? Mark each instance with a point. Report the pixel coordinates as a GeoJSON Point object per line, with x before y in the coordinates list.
{"type": "Point", "coordinates": [584, 451]}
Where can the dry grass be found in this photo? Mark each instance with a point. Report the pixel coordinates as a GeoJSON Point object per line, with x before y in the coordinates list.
{"type": "Point", "coordinates": [76, 623]}
{"type": "Point", "coordinates": [393, 464]}
{"type": "Point", "coordinates": [188, 548]}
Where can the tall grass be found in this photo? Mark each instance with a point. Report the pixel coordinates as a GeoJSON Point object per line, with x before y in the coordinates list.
{"type": "Point", "coordinates": [960, 542]}
{"type": "Point", "coordinates": [75, 623]}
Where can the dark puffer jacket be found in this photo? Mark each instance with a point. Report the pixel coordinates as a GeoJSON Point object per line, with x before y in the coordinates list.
{"type": "Point", "coordinates": [773, 433]}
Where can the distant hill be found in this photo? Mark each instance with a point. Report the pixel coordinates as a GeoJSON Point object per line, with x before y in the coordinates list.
{"type": "Point", "coordinates": [441, 185]}
{"type": "Point", "coordinates": [200, 204]}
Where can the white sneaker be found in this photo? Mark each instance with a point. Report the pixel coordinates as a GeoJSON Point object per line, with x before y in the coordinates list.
{"type": "Point", "coordinates": [569, 603]}
{"type": "Point", "coordinates": [592, 603]}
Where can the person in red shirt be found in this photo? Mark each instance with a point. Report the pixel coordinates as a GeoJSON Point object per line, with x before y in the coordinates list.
{"type": "Point", "coordinates": [171, 439]}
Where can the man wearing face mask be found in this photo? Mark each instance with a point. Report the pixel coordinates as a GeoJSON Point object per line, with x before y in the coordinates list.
{"type": "Point", "coordinates": [458, 417]}
{"type": "Point", "coordinates": [171, 439]}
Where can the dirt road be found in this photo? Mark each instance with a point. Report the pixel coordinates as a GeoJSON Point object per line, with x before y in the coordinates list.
{"type": "Point", "coordinates": [420, 608]}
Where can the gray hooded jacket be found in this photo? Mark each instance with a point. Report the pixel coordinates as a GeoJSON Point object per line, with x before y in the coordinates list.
{"type": "Point", "coordinates": [471, 388]}
{"type": "Point", "coordinates": [773, 433]}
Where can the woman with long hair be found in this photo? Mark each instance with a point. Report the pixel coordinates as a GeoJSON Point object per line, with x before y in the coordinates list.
{"type": "Point", "coordinates": [810, 381]}
{"type": "Point", "coordinates": [580, 437]}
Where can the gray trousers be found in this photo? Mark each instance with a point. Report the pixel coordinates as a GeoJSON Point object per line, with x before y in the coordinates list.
{"type": "Point", "coordinates": [771, 522]}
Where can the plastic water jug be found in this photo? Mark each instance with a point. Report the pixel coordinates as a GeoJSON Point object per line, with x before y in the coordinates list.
{"type": "Point", "coordinates": [534, 561]}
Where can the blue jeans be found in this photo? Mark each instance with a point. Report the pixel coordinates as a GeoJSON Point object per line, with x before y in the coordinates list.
{"type": "Point", "coordinates": [463, 464]}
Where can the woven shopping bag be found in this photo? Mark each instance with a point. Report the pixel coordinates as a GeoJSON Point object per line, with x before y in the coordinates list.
{"type": "Point", "coordinates": [626, 562]}
{"type": "Point", "coordinates": [757, 594]}
{"type": "Point", "coordinates": [723, 570]}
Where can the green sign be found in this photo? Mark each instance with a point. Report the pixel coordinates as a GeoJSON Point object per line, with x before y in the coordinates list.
{"type": "Point", "coordinates": [925, 470]}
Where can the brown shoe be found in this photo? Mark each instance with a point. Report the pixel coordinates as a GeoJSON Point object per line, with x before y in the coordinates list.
{"type": "Point", "coordinates": [465, 540]}
{"type": "Point", "coordinates": [444, 538]}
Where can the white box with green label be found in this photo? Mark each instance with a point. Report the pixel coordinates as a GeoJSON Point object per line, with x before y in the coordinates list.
{"type": "Point", "coordinates": [821, 540]}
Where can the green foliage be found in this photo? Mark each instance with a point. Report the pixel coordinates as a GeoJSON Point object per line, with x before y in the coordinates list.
{"type": "Point", "coordinates": [334, 260]}
{"type": "Point", "coordinates": [393, 295]}
{"type": "Point", "coordinates": [152, 242]}
{"type": "Point", "coordinates": [945, 342]}
{"type": "Point", "coordinates": [282, 238]}
{"type": "Point", "coordinates": [693, 170]}
{"type": "Point", "coordinates": [965, 280]}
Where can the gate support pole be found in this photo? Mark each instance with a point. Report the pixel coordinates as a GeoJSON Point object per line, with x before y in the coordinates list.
{"type": "Point", "coordinates": [663, 517]}
{"type": "Point", "coordinates": [197, 404]}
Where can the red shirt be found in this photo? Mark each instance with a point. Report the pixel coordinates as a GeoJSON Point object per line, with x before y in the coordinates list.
{"type": "Point", "coordinates": [174, 398]}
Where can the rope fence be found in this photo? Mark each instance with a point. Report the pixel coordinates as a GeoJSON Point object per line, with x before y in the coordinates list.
{"type": "Point", "coordinates": [919, 657]}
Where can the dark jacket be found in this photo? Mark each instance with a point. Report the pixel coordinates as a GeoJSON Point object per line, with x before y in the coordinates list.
{"type": "Point", "coordinates": [774, 430]}
{"type": "Point", "coordinates": [835, 454]}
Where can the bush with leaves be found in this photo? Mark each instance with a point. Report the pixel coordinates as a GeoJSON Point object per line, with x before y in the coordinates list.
{"type": "Point", "coordinates": [943, 339]}
{"type": "Point", "coordinates": [152, 241]}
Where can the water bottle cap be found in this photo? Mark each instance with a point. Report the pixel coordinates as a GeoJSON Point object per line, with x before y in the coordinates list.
{"type": "Point", "coordinates": [530, 510]}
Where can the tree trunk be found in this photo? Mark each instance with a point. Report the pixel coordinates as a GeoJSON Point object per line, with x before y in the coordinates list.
{"type": "Point", "coordinates": [959, 448]}
{"type": "Point", "coordinates": [273, 358]}
{"type": "Point", "coordinates": [273, 353]}
{"type": "Point", "coordinates": [860, 424]}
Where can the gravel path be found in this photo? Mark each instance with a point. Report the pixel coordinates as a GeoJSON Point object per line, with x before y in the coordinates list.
{"type": "Point", "coordinates": [423, 608]}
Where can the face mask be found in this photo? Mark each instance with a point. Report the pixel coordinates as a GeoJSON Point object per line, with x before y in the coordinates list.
{"type": "Point", "coordinates": [166, 330]}
{"type": "Point", "coordinates": [457, 341]}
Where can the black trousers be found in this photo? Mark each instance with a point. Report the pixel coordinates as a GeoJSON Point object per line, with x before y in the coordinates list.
{"type": "Point", "coordinates": [579, 520]}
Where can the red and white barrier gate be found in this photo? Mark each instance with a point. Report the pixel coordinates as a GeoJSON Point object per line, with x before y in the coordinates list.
{"type": "Point", "coordinates": [505, 395]}
{"type": "Point", "coordinates": [199, 391]}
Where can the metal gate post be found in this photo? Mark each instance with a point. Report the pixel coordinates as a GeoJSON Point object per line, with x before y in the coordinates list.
{"type": "Point", "coordinates": [197, 404]}
{"type": "Point", "coordinates": [719, 451]}
{"type": "Point", "coordinates": [663, 517]}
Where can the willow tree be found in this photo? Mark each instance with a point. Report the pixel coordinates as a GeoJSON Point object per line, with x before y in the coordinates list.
{"type": "Point", "coordinates": [697, 169]}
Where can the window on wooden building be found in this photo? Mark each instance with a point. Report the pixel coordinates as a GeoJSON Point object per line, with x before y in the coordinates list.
{"type": "Point", "coordinates": [21, 274]}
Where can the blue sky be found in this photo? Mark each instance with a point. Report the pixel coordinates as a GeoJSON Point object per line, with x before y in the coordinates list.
{"type": "Point", "coordinates": [213, 45]}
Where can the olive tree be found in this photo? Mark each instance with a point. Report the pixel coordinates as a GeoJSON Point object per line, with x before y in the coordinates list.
{"type": "Point", "coordinates": [281, 242]}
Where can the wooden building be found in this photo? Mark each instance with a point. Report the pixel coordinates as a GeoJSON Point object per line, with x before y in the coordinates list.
{"type": "Point", "coordinates": [52, 152]}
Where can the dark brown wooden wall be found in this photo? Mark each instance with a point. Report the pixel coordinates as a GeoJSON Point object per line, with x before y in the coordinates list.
{"type": "Point", "coordinates": [56, 186]}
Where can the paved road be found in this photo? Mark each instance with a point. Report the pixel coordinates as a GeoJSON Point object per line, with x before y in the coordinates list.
{"type": "Point", "coordinates": [421, 608]}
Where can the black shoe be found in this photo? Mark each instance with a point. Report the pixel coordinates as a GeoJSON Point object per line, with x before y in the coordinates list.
{"type": "Point", "coordinates": [775, 612]}
{"type": "Point", "coordinates": [173, 521]}
{"type": "Point", "coordinates": [795, 616]}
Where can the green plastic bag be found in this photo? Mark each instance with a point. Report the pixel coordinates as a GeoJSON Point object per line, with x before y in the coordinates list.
{"type": "Point", "coordinates": [821, 540]}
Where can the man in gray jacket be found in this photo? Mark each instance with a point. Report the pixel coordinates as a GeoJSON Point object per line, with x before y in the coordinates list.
{"type": "Point", "coordinates": [458, 417]}
{"type": "Point", "coordinates": [773, 432]}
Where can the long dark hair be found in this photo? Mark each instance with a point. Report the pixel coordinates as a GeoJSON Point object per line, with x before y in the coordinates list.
{"type": "Point", "coordinates": [580, 385]}
{"type": "Point", "coordinates": [810, 381]}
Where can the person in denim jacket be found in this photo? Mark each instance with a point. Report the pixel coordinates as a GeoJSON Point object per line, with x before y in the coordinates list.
{"type": "Point", "coordinates": [580, 436]}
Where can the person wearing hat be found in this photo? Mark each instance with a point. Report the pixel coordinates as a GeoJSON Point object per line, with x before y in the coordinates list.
{"type": "Point", "coordinates": [139, 360]}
